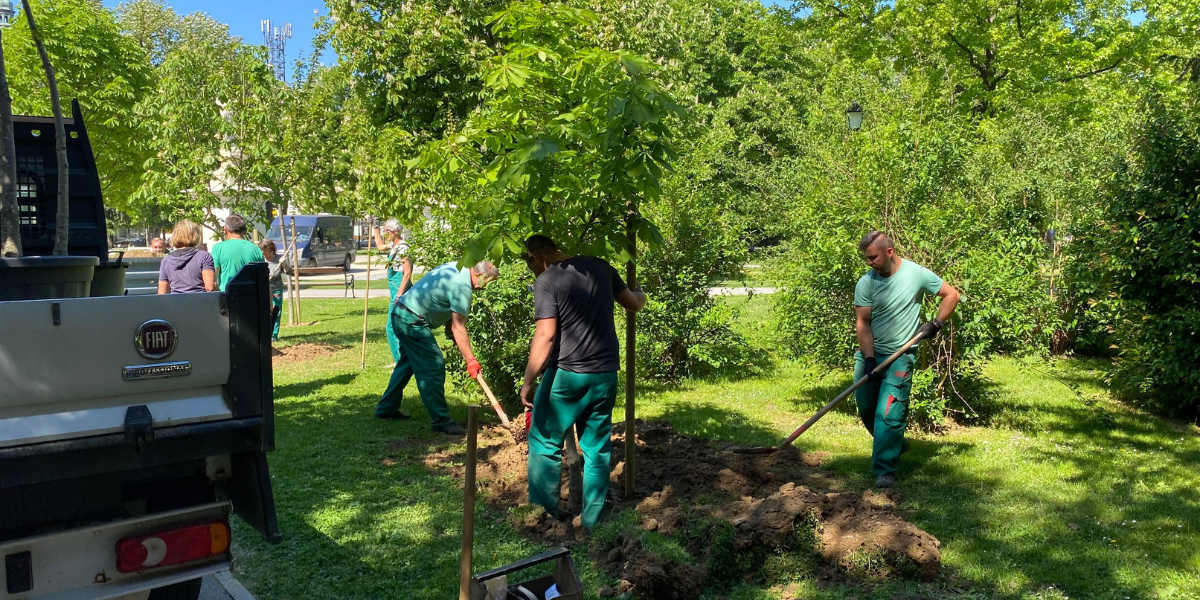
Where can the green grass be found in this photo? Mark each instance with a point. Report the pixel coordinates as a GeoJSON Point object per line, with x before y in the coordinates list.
{"type": "Point", "coordinates": [1062, 493]}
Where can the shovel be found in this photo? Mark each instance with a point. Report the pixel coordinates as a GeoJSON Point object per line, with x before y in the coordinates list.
{"type": "Point", "coordinates": [487, 391]}
{"type": "Point", "coordinates": [880, 369]}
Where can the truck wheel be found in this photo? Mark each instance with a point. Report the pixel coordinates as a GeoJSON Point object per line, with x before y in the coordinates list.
{"type": "Point", "coordinates": [312, 263]}
{"type": "Point", "coordinates": [346, 264]}
{"type": "Point", "coordinates": [187, 590]}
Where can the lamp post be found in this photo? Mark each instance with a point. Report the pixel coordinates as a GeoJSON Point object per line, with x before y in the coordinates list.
{"type": "Point", "coordinates": [854, 115]}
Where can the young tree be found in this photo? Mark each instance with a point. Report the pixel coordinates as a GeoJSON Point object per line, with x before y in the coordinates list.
{"type": "Point", "coordinates": [62, 222]}
{"type": "Point", "coordinates": [10, 224]}
{"type": "Point", "coordinates": [196, 123]}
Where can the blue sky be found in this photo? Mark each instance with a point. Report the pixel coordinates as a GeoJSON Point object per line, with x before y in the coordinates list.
{"type": "Point", "coordinates": [243, 17]}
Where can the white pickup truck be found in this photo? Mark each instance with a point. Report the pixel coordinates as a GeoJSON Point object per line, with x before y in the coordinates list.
{"type": "Point", "coordinates": [130, 429]}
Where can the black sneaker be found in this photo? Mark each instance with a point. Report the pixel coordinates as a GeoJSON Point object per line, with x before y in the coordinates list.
{"type": "Point", "coordinates": [885, 481]}
{"type": "Point", "coordinates": [398, 415]}
{"type": "Point", "coordinates": [451, 429]}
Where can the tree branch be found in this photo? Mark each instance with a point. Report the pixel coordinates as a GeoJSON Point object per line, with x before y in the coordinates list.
{"type": "Point", "coordinates": [1092, 73]}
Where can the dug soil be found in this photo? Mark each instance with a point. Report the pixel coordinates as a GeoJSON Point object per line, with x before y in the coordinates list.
{"type": "Point", "coordinates": [303, 352]}
{"type": "Point", "coordinates": [723, 507]}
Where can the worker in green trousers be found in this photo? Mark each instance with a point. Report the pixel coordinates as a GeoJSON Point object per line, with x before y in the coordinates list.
{"type": "Point", "coordinates": [399, 271]}
{"type": "Point", "coordinates": [442, 296]}
{"type": "Point", "coordinates": [887, 310]}
{"type": "Point", "coordinates": [575, 343]}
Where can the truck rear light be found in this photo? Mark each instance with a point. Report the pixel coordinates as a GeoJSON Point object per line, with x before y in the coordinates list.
{"type": "Point", "coordinates": [172, 546]}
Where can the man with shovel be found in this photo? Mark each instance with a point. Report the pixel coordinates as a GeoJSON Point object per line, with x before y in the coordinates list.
{"type": "Point", "coordinates": [575, 341]}
{"type": "Point", "coordinates": [442, 296]}
{"type": "Point", "coordinates": [887, 310]}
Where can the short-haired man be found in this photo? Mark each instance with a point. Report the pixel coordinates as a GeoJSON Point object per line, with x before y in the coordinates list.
{"type": "Point", "coordinates": [158, 246]}
{"type": "Point", "coordinates": [575, 340]}
{"type": "Point", "coordinates": [235, 252]}
{"type": "Point", "coordinates": [442, 296]}
{"type": "Point", "coordinates": [887, 311]}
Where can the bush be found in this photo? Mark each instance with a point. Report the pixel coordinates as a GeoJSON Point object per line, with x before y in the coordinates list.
{"type": "Point", "coordinates": [1151, 258]}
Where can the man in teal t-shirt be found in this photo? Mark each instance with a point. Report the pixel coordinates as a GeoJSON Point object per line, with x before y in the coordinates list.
{"type": "Point", "coordinates": [235, 252]}
{"type": "Point", "coordinates": [887, 310]}
{"type": "Point", "coordinates": [442, 296]}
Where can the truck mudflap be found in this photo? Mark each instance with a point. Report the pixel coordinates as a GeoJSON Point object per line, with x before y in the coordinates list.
{"type": "Point", "coordinates": [250, 491]}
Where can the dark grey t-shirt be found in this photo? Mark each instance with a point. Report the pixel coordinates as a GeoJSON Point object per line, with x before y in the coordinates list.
{"type": "Point", "coordinates": [579, 292]}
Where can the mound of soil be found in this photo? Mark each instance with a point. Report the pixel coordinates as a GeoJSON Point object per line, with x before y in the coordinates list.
{"type": "Point", "coordinates": [303, 352]}
{"type": "Point", "coordinates": [684, 481]}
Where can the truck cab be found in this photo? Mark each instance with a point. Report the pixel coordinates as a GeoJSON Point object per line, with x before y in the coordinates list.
{"type": "Point", "coordinates": [132, 428]}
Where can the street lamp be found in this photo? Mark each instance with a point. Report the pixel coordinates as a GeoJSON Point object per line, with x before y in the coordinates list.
{"type": "Point", "coordinates": [7, 14]}
{"type": "Point", "coordinates": [854, 114]}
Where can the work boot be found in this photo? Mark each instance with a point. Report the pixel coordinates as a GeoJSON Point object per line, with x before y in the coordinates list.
{"type": "Point", "coordinates": [451, 429]}
{"type": "Point", "coordinates": [885, 481]}
{"type": "Point", "coordinates": [399, 415]}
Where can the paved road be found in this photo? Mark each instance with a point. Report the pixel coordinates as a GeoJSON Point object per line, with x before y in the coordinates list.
{"type": "Point", "coordinates": [211, 590]}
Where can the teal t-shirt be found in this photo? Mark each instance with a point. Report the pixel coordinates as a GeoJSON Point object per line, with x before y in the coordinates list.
{"type": "Point", "coordinates": [895, 303]}
{"type": "Point", "coordinates": [444, 290]}
{"type": "Point", "coordinates": [231, 255]}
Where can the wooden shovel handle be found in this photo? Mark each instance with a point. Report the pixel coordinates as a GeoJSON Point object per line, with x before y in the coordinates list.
{"type": "Point", "coordinates": [850, 390]}
{"type": "Point", "coordinates": [487, 391]}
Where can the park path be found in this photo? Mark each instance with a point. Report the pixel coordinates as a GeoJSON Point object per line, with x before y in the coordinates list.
{"type": "Point", "coordinates": [379, 276]}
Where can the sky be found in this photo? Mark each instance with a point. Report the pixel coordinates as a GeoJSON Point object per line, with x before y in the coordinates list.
{"type": "Point", "coordinates": [244, 17]}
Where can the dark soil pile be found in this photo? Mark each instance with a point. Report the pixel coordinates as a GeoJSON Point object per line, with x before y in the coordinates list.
{"type": "Point", "coordinates": [732, 512]}
{"type": "Point", "coordinates": [304, 352]}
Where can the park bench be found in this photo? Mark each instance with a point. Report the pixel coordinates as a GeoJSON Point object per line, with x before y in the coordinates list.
{"type": "Point", "coordinates": [347, 283]}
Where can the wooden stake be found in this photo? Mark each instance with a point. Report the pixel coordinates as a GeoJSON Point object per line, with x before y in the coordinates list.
{"type": "Point", "coordinates": [295, 275]}
{"type": "Point", "coordinates": [366, 303]}
{"type": "Point", "coordinates": [468, 533]}
{"type": "Point", "coordinates": [630, 362]}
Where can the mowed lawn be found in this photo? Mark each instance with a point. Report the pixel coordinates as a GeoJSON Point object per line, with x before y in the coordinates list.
{"type": "Point", "coordinates": [1060, 493]}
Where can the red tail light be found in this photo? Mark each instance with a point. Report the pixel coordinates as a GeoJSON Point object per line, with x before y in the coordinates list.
{"type": "Point", "coordinates": [172, 546]}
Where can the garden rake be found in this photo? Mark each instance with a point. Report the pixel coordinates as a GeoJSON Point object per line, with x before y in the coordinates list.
{"type": "Point", "coordinates": [880, 369]}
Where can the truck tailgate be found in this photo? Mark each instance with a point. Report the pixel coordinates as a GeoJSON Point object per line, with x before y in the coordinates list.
{"type": "Point", "coordinates": [87, 385]}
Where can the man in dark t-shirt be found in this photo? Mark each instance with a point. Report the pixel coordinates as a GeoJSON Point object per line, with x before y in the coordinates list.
{"type": "Point", "coordinates": [576, 343]}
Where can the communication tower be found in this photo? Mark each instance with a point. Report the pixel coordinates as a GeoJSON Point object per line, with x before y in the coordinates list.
{"type": "Point", "coordinates": [276, 39]}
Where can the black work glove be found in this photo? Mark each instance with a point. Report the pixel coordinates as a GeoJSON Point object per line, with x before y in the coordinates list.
{"type": "Point", "coordinates": [930, 330]}
{"type": "Point", "coordinates": [871, 363]}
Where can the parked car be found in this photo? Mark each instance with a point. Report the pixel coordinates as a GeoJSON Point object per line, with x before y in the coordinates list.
{"type": "Point", "coordinates": [322, 240]}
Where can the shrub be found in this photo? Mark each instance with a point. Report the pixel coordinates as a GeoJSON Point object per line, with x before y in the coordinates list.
{"type": "Point", "coordinates": [1151, 257]}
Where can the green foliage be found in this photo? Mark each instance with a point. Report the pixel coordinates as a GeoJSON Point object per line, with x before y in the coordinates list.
{"type": "Point", "coordinates": [106, 71]}
{"type": "Point", "coordinates": [1152, 257]}
{"type": "Point", "coordinates": [570, 138]}
{"type": "Point", "coordinates": [203, 115]}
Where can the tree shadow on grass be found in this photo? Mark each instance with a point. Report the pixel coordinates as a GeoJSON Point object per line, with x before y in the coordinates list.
{"type": "Point", "coordinates": [360, 514]}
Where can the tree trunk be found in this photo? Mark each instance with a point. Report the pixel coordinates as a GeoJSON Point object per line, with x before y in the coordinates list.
{"type": "Point", "coordinates": [10, 212]}
{"type": "Point", "coordinates": [62, 222]}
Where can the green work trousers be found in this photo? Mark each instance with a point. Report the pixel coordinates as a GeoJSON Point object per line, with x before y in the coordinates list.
{"type": "Point", "coordinates": [394, 278]}
{"type": "Point", "coordinates": [565, 399]}
{"type": "Point", "coordinates": [883, 408]}
{"type": "Point", "coordinates": [420, 357]}
{"type": "Point", "coordinates": [276, 311]}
